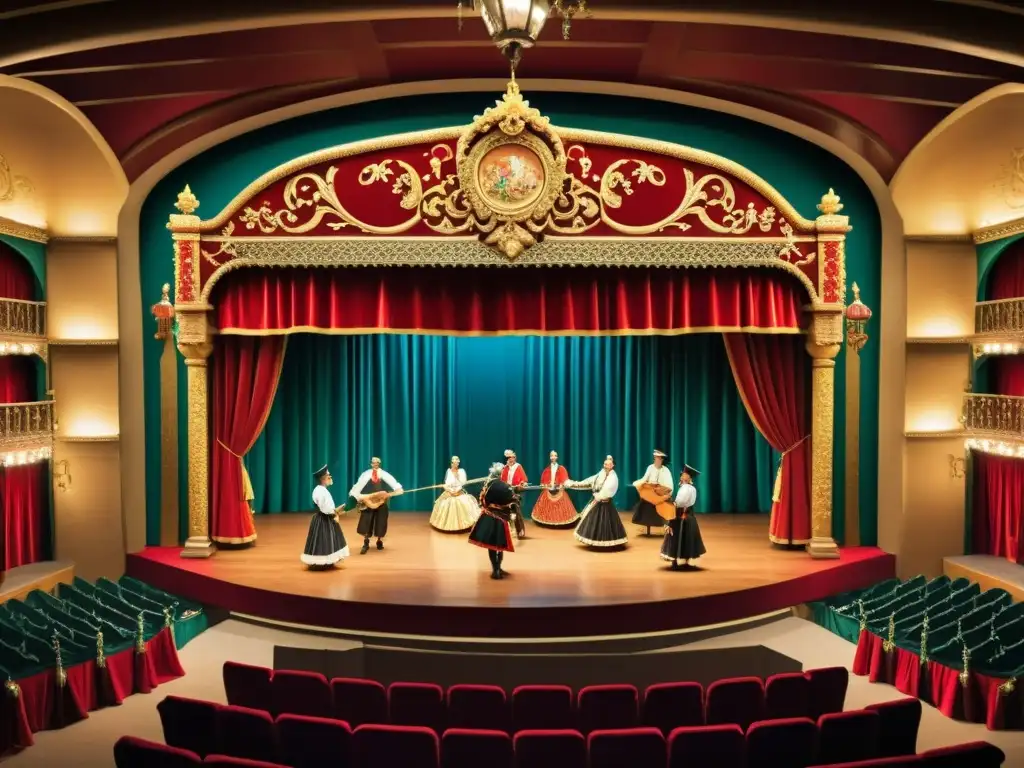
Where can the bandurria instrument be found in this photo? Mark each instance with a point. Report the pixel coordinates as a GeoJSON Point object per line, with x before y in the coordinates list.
{"type": "Point", "coordinates": [380, 498]}
{"type": "Point", "coordinates": [665, 508]}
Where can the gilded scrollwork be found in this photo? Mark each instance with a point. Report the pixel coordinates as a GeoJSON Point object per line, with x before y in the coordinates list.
{"type": "Point", "coordinates": [12, 185]}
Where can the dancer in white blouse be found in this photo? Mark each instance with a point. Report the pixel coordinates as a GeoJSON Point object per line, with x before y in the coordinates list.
{"type": "Point", "coordinates": [455, 511]}
{"type": "Point", "coordinates": [658, 478]}
{"type": "Point", "coordinates": [600, 524]}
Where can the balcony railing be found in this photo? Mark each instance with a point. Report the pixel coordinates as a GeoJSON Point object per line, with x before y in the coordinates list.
{"type": "Point", "coordinates": [26, 426]}
{"type": "Point", "coordinates": [997, 416]}
{"type": "Point", "coordinates": [23, 318]}
{"type": "Point", "coordinates": [1004, 317]}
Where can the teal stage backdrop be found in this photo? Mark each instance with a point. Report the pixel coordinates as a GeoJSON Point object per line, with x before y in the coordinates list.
{"type": "Point", "coordinates": [800, 171]}
{"type": "Point", "coordinates": [417, 400]}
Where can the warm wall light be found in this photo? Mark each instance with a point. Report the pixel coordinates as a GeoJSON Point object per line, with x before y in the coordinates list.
{"type": "Point", "coordinates": [997, 447]}
{"type": "Point", "coordinates": [999, 349]}
{"type": "Point", "coordinates": [15, 348]}
{"type": "Point", "coordinates": [21, 458]}
{"type": "Point", "coordinates": [81, 330]}
{"type": "Point", "coordinates": [87, 427]}
{"type": "Point", "coordinates": [943, 328]}
{"type": "Point", "coordinates": [936, 421]}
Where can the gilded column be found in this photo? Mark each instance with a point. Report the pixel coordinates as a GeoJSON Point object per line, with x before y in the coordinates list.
{"type": "Point", "coordinates": [195, 342]}
{"type": "Point", "coordinates": [824, 340]}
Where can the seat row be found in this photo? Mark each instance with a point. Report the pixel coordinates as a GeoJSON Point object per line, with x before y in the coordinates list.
{"type": "Point", "coordinates": [298, 741]}
{"type": "Point", "coordinates": [665, 706]}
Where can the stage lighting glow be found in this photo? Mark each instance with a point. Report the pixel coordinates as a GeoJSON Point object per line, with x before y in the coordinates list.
{"type": "Point", "coordinates": [88, 427]}
{"type": "Point", "coordinates": [936, 421]}
{"type": "Point", "coordinates": [81, 329]}
{"type": "Point", "coordinates": [997, 448]}
{"type": "Point", "coordinates": [944, 328]}
{"type": "Point", "coordinates": [15, 348]}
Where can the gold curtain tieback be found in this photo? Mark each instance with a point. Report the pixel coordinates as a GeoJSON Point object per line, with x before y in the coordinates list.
{"type": "Point", "coordinates": [247, 492]}
{"type": "Point", "coordinates": [777, 492]}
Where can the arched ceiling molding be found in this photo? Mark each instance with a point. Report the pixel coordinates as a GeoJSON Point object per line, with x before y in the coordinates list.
{"type": "Point", "coordinates": [208, 19]}
{"type": "Point", "coordinates": [967, 174]}
{"type": "Point", "coordinates": [57, 173]}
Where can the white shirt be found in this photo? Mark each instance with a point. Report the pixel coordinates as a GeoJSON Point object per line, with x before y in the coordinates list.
{"type": "Point", "coordinates": [323, 500]}
{"type": "Point", "coordinates": [454, 481]}
{"type": "Point", "coordinates": [605, 484]}
{"type": "Point", "coordinates": [657, 476]}
{"type": "Point", "coordinates": [687, 495]}
{"type": "Point", "coordinates": [553, 466]}
{"type": "Point", "coordinates": [386, 478]}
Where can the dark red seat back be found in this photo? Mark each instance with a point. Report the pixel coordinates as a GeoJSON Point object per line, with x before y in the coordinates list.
{"type": "Point", "coordinates": [707, 746]}
{"type": "Point", "coordinates": [417, 704]}
{"type": "Point", "coordinates": [848, 736]}
{"type": "Point", "coordinates": [313, 742]}
{"type": "Point", "coordinates": [248, 733]}
{"type": "Point", "coordinates": [131, 752]}
{"type": "Point", "coordinates": [555, 748]}
{"type": "Point", "coordinates": [389, 746]}
{"type": "Point", "coordinates": [469, 748]}
{"type": "Point", "coordinates": [976, 754]}
{"type": "Point", "coordinates": [359, 702]}
{"type": "Point", "coordinates": [668, 706]}
{"type": "Point", "coordinates": [301, 693]}
{"type": "Point", "coordinates": [738, 700]}
{"type": "Point", "coordinates": [604, 707]}
{"type": "Point", "coordinates": [828, 690]}
{"type": "Point", "coordinates": [543, 707]}
{"type": "Point", "coordinates": [240, 762]}
{"type": "Point", "coordinates": [634, 747]}
{"type": "Point", "coordinates": [785, 743]}
{"type": "Point", "coordinates": [787, 695]}
{"type": "Point", "coordinates": [478, 706]}
{"type": "Point", "coordinates": [248, 686]}
{"type": "Point", "coordinates": [189, 724]}
{"type": "Point", "coordinates": [898, 724]}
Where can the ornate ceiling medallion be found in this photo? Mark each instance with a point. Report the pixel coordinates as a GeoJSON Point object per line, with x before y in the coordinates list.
{"type": "Point", "coordinates": [512, 170]}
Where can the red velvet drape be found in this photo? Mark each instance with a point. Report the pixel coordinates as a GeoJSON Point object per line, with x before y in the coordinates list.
{"type": "Point", "coordinates": [1006, 278]}
{"type": "Point", "coordinates": [998, 500]}
{"type": "Point", "coordinates": [771, 373]}
{"type": "Point", "coordinates": [491, 300]}
{"type": "Point", "coordinates": [23, 497]}
{"type": "Point", "coordinates": [245, 375]}
{"type": "Point", "coordinates": [1008, 374]}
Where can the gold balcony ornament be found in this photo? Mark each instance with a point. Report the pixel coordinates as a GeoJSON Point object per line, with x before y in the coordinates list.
{"type": "Point", "coordinates": [62, 475]}
{"type": "Point", "coordinates": [515, 25]}
{"type": "Point", "coordinates": [163, 311]}
{"type": "Point", "coordinates": [857, 316]}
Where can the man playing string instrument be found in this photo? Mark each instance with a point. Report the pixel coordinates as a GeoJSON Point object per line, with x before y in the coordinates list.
{"type": "Point", "coordinates": [656, 485]}
{"type": "Point", "coordinates": [372, 490]}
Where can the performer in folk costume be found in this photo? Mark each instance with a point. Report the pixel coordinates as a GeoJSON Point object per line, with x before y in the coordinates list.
{"type": "Point", "coordinates": [600, 525]}
{"type": "Point", "coordinates": [373, 522]}
{"type": "Point", "coordinates": [684, 541]}
{"type": "Point", "coordinates": [325, 542]}
{"type": "Point", "coordinates": [514, 475]}
{"type": "Point", "coordinates": [455, 511]}
{"type": "Point", "coordinates": [554, 507]}
{"type": "Point", "coordinates": [492, 530]}
{"type": "Point", "coordinates": [660, 478]}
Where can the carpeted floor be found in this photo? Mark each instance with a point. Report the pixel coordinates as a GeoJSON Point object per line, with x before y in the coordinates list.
{"type": "Point", "coordinates": [89, 744]}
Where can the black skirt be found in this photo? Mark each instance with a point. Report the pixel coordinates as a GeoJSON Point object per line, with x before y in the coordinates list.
{"type": "Point", "coordinates": [691, 545]}
{"type": "Point", "coordinates": [492, 532]}
{"type": "Point", "coordinates": [601, 526]}
{"type": "Point", "coordinates": [645, 514]}
{"type": "Point", "coordinates": [325, 542]}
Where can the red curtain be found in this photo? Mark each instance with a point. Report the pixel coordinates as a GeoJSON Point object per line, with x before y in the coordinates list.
{"type": "Point", "coordinates": [1008, 374]}
{"type": "Point", "coordinates": [17, 379]}
{"type": "Point", "coordinates": [1006, 278]}
{"type": "Point", "coordinates": [23, 499]}
{"type": "Point", "coordinates": [490, 300]}
{"type": "Point", "coordinates": [245, 375]}
{"type": "Point", "coordinates": [998, 500]}
{"type": "Point", "coordinates": [772, 373]}
{"type": "Point", "coordinates": [16, 278]}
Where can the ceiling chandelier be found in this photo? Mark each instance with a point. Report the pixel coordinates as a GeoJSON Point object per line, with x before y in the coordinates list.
{"type": "Point", "coordinates": [515, 25]}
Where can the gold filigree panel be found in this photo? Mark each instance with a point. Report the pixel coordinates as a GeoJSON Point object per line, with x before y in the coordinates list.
{"type": "Point", "coordinates": [12, 185]}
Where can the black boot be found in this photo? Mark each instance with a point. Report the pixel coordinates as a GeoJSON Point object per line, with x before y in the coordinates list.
{"type": "Point", "coordinates": [495, 564]}
{"type": "Point", "coordinates": [380, 544]}
{"type": "Point", "coordinates": [500, 557]}
{"type": "Point", "coordinates": [366, 546]}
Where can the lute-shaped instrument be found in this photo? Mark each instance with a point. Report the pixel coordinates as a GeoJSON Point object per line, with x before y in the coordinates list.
{"type": "Point", "coordinates": [378, 499]}
{"type": "Point", "coordinates": [665, 508]}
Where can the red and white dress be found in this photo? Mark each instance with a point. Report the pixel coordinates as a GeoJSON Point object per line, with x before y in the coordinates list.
{"type": "Point", "coordinates": [554, 507]}
{"type": "Point", "coordinates": [514, 475]}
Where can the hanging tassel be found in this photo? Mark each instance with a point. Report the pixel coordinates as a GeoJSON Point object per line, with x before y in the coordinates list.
{"type": "Point", "coordinates": [924, 642]}
{"type": "Point", "coordinates": [101, 659]}
{"type": "Point", "coordinates": [965, 676]}
{"type": "Point", "coordinates": [1007, 688]}
{"type": "Point", "coordinates": [140, 637]}
{"type": "Point", "coordinates": [777, 490]}
{"type": "Point", "coordinates": [13, 689]}
{"type": "Point", "coordinates": [461, 5]}
{"type": "Point", "coordinates": [169, 623]}
{"type": "Point", "coordinates": [62, 676]}
{"type": "Point", "coordinates": [890, 641]}
{"type": "Point", "coordinates": [863, 615]}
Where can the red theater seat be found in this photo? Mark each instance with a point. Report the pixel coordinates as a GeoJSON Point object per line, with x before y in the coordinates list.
{"type": "Point", "coordinates": [313, 742]}
{"type": "Point", "coordinates": [707, 746]}
{"type": "Point", "coordinates": [248, 686]}
{"type": "Point", "coordinates": [908, 761]}
{"type": "Point", "coordinates": [787, 695]}
{"type": "Point", "coordinates": [244, 732]}
{"type": "Point", "coordinates": [557, 748]}
{"type": "Point", "coordinates": [977, 754]}
{"type": "Point", "coordinates": [673, 705]}
{"type": "Point", "coordinates": [603, 707]}
{"type": "Point", "coordinates": [633, 747]}
{"type": "Point", "coordinates": [391, 746]}
{"type": "Point", "coordinates": [478, 706]}
{"type": "Point", "coordinates": [240, 762]}
{"type": "Point", "coordinates": [467, 748]}
{"type": "Point", "coordinates": [359, 702]}
{"type": "Point", "coordinates": [848, 736]}
{"type": "Point", "coordinates": [542, 707]}
{"type": "Point", "coordinates": [189, 724]}
{"type": "Point", "coordinates": [787, 743]}
{"type": "Point", "coordinates": [301, 693]}
{"type": "Point", "coordinates": [417, 704]}
{"type": "Point", "coordinates": [739, 700]}
{"type": "Point", "coordinates": [130, 752]}
{"type": "Point", "coordinates": [828, 690]}
{"type": "Point", "coordinates": [898, 724]}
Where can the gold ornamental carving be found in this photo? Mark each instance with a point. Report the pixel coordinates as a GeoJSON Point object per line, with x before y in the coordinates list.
{"type": "Point", "coordinates": [12, 185]}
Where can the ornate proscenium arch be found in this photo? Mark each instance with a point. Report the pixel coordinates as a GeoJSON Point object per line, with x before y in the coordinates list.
{"type": "Point", "coordinates": [511, 191]}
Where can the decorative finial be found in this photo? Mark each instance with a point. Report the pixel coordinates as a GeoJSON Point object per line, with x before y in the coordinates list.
{"type": "Point", "coordinates": [830, 205]}
{"type": "Point", "coordinates": [187, 202]}
{"type": "Point", "coordinates": [856, 293]}
{"type": "Point", "coordinates": [163, 312]}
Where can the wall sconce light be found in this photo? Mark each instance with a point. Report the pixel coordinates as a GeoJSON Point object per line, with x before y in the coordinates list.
{"type": "Point", "coordinates": [957, 467]}
{"type": "Point", "coordinates": [857, 316]}
{"type": "Point", "coordinates": [62, 475]}
{"type": "Point", "coordinates": [163, 311]}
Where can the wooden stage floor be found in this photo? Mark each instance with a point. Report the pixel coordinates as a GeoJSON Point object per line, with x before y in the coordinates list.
{"type": "Point", "coordinates": [431, 583]}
